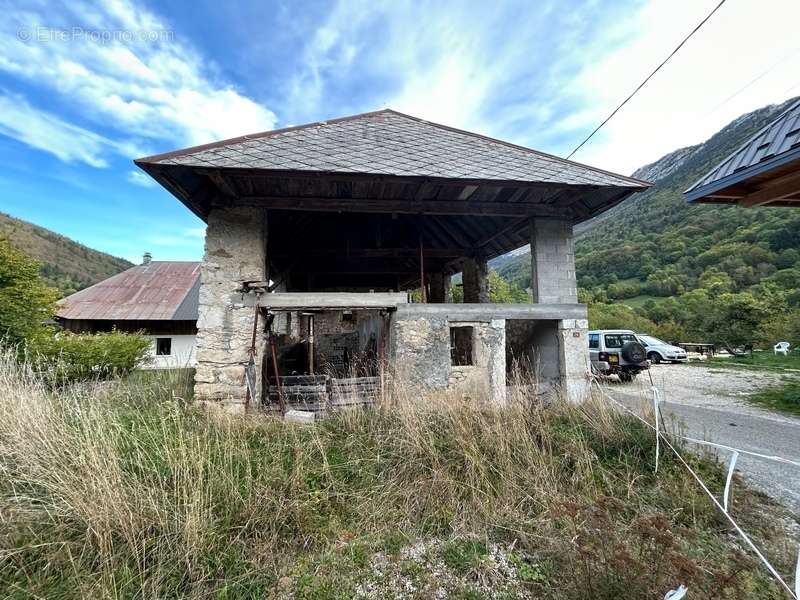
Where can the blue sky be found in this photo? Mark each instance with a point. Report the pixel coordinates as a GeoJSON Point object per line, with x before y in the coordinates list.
{"type": "Point", "coordinates": [87, 87]}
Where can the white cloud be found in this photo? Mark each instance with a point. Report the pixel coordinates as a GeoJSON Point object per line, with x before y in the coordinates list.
{"type": "Point", "coordinates": [445, 62]}
{"type": "Point", "coordinates": [545, 78]}
{"type": "Point", "coordinates": [141, 89]}
{"type": "Point", "coordinates": [42, 130]}
{"type": "Point", "coordinates": [179, 238]}
{"type": "Point", "coordinates": [141, 179]}
{"type": "Point", "coordinates": [195, 232]}
{"type": "Point", "coordinates": [743, 58]}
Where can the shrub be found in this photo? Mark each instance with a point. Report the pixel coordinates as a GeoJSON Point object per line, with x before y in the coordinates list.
{"type": "Point", "coordinates": [65, 357]}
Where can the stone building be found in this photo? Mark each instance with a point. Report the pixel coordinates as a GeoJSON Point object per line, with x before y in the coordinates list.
{"type": "Point", "coordinates": [315, 234]}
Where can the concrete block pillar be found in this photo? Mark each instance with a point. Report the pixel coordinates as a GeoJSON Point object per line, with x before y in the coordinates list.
{"type": "Point", "coordinates": [440, 288]}
{"type": "Point", "coordinates": [235, 252]}
{"type": "Point", "coordinates": [475, 273]}
{"type": "Point", "coordinates": [573, 342]}
{"type": "Point", "coordinates": [552, 262]}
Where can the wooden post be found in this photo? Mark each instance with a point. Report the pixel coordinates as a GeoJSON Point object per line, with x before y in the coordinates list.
{"type": "Point", "coordinates": [382, 357]}
{"type": "Point", "coordinates": [311, 343]}
{"type": "Point", "coordinates": [422, 271]}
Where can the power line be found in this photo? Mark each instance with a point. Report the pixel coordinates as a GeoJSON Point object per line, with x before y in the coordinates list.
{"type": "Point", "coordinates": [641, 85]}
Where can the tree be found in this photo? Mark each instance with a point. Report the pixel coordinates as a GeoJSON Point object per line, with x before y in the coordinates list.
{"type": "Point", "coordinates": [25, 301]}
{"type": "Point", "coordinates": [732, 320]}
{"type": "Point", "coordinates": [504, 292]}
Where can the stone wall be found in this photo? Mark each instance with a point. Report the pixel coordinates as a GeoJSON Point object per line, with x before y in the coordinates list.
{"type": "Point", "coordinates": [235, 252]}
{"type": "Point", "coordinates": [475, 279]}
{"type": "Point", "coordinates": [420, 355]}
{"type": "Point", "coordinates": [419, 351]}
{"type": "Point", "coordinates": [573, 338]}
{"type": "Point", "coordinates": [552, 262]}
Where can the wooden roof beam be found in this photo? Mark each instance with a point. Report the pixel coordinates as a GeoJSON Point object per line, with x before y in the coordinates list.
{"type": "Point", "coordinates": [401, 206]}
{"type": "Point", "coordinates": [778, 190]}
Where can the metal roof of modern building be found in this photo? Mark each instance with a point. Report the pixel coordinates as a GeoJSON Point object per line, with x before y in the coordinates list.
{"type": "Point", "coordinates": [761, 171]}
{"type": "Point", "coordinates": [390, 143]}
{"type": "Point", "coordinates": [156, 291]}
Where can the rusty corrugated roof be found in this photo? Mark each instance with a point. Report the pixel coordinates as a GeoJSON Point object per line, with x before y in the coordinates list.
{"type": "Point", "coordinates": [157, 291]}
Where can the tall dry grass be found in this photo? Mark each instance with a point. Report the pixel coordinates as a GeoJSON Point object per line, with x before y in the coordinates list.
{"type": "Point", "coordinates": [123, 490]}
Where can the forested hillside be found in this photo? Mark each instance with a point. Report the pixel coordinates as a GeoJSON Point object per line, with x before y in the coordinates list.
{"type": "Point", "coordinates": [672, 261]}
{"type": "Point", "coordinates": [66, 265]}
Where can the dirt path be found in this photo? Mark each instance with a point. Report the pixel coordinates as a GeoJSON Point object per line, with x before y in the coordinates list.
{"type": "Point", "coordinates": [711, 404]}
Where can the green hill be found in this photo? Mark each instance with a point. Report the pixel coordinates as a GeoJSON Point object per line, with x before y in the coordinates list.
{"type": "Point", "coordinates": [66, 264]}
{"type": "Point", "coordinates": [658, 254]}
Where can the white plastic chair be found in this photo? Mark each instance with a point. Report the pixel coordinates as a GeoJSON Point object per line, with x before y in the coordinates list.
{"type": "Point", "coordinates": [782, 348]}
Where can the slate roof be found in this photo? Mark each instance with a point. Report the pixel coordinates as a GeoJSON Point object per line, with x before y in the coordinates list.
{"type": "Point", "coordinates": [157, 291]}
{"type": "Point", "coordinates": [776, 144]}
{"type": "Point", "coordinates": [390, 143]}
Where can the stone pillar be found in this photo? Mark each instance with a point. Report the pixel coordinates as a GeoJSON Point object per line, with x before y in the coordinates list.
{"type": "Point", "coordinates": [552, 262]}
{"type": "Point", "coordinates": [573, 342]}
{"type": "Point", "coordinates": [475, 274]}
{"type": "Point", "coordinates": [235, 252]}
{"type": "Point", "coordinates": [440, 288]}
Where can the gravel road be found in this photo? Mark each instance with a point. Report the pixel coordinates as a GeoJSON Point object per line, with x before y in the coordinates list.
{"type": "Point", "coordinates": [711, 404]}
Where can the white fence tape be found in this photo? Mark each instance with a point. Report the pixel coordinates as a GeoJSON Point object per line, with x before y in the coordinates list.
{"type": "Point", "coordinates": [656, 412]}
{"type": "Point", "coordinates": [797, 577]}
{"type": "Point", "coordinates": [676, 594]}
{"type": "Point", "coordinates": [793, 594]}
{"type": "Point", "coordinates": [727, 494]}
{"type": "Point", "coordinates": [779, 459]}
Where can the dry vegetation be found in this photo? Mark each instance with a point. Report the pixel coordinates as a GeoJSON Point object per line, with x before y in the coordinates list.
{"type": "Point", "coordinates": [122, 490]}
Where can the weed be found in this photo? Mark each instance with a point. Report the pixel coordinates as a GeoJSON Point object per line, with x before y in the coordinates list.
{"type": "Point", "coordinates": [125, 490]}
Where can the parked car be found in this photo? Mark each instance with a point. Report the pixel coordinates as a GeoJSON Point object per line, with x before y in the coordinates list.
{"type": "Point", "coordinates": [617, 352]}
{"type": "Point", "coordinates": [660, 351]}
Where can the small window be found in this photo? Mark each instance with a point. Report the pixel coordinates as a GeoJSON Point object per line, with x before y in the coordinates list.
{"type": "Point", "coordinates": [617, 340]}
{"type": "Point", "coordinates": [348, 317]}
{"type": "Point", "coordinates": [594, 340]}
{"type": "Point", "coordinates": [461, 346]}
{"type": "Point", "coordinates": [163, 346]}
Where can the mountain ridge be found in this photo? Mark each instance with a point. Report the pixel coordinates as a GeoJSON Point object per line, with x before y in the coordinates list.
{"type": "Point", "coordinates": [662, 244]}
{"type": "Point", "coordinates": [66, 264]}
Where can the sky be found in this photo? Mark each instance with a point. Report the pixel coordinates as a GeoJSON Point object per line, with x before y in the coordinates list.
{"type": "Point", "coordinates": [86, 87]}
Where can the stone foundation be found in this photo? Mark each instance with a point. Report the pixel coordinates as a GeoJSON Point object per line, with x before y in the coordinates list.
{"type": "Point", "coordinates": [573, 340]}
{"type": "Point", "coordinates": [235, 253]}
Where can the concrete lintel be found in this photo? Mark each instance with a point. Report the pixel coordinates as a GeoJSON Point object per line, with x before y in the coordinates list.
{"type": "Point", "coordinates": [489, 312]}
{"type": "Point", "coordinates": [331, 300]}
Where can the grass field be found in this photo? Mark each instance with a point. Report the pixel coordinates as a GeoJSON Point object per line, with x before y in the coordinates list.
{"type": "Point", "coordinates": [123, 490]}
{"type": "Point", "coordinates": [638, 301]}
{"type": "Point", "coordinates": [783, 398]}
{"type": "Point", "coordinates": [760, 361]}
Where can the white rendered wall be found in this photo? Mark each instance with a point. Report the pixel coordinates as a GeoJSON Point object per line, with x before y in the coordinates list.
{"type": "Point", "coordinates": [182, 353]}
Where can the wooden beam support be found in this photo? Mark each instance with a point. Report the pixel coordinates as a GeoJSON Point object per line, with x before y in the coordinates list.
{"type": "Point", "coordinates": [778, 190]}
{"type": "Point", "coordinates": [222, 183]}
{"type": "Point", "coordinates": [372, 252]}
{"type": "Point", "coordinates": [400, 206]}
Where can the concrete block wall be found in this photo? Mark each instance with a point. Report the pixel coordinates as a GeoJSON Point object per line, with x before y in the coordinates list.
{"type": "Point", "coordinates": [235, 252]}
{"type": "Point", "coordinates": [552, 262]}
